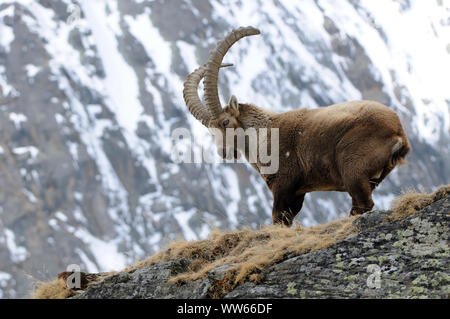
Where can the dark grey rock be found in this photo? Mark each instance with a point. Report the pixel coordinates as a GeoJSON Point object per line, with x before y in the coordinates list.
{"type": "Point", "coordinates": [370, 219]}
{"type": "Point", "coordinates": [410, 257]}
{"type": "Point", "coordinates": [148, 282]}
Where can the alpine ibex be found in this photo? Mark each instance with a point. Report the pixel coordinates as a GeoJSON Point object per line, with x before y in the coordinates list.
{"type": "Point", "coordinates": [348, 147]}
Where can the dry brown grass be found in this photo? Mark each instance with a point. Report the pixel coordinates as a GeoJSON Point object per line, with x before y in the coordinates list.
{"type": "Point", "coordinates": [250, 251]}
{"type": "Point", "coordinates": [56, 289]}
{"type": "Point", "coordinates": [411, 201]}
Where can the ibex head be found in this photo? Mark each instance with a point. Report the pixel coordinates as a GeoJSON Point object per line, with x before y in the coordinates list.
{"type": "Point", "coordinates": [213, 116]}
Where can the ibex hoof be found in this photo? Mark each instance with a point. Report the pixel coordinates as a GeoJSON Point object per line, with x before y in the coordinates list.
{"type": "Point", "coordinates": [356, 211]}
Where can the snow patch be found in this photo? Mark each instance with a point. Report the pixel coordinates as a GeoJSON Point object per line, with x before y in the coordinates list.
{"type": "Point", "coordinates": [106, 253]}
{"type": "Point", "coordinates": [6, 32]}
{"type": "Point", "coordinates": [32, 70]}
{"type": "Point", "coordinates": [18, 253]}
{"type": "Point", "coordinates": [183, 220]}
{"type": "Point", "coordinates": [18, 119]}
{"type": "Point", "coordinates": [33, 151]}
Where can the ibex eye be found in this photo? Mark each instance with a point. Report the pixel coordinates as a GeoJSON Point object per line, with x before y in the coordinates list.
{"type": "Point", "coordinates": [225, 122]}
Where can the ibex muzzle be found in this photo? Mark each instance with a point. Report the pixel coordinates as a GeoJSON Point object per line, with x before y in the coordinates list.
{"type": "Point", "coordinates": [348, 147]}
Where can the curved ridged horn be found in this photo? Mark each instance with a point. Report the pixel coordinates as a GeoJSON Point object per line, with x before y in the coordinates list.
{"type": "Point", "coordinates": [190, 95]}
{"type": "Point", "coordinates": [214, 62]}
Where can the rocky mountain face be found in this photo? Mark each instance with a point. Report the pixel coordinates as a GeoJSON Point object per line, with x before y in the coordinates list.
{"type": "Point", "coordinates": [91, 92]}
{"type": "Point", "coordinates": [405, 258]}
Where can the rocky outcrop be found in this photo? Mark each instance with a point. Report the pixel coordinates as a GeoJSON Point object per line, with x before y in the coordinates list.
{"type": "Point", "coordinates": [404, 258]}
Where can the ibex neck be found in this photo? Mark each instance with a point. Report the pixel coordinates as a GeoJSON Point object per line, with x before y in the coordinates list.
{"type": "Point", "coordinates": [254, 116]}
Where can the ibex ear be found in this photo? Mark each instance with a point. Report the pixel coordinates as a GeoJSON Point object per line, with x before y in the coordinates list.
{"type": "Point", "coordinates": [233, 103]}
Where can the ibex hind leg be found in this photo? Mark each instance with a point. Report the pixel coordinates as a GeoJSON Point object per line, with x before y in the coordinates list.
{"type": "Point", "coordinates": [394, 156]}
{"type": "Point", "coordinates": [360, 177]}
{"type": "Point", "coordinates": [360, 190]}
{"type": "Point", "coordinates": [375, 181]}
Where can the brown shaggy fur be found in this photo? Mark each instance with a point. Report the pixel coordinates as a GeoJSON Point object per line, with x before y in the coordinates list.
{"type": "Point", "coordinates": [348, 147]}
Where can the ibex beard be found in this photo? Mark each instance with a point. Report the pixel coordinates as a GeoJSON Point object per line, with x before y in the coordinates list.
{"type": "Point", "coordinates": [349, 147]}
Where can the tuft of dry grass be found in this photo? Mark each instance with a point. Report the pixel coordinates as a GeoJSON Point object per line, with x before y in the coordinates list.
{"type": "Point", "coordinates": [56, 289]}
{"type": "Point", "coordinates": [412, 201]}
{"type": "Point", "coordinates": [248, 251]}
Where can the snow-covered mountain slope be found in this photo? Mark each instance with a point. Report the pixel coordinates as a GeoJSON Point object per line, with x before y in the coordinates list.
{"type": "Point", "coordinates": [88, 107]}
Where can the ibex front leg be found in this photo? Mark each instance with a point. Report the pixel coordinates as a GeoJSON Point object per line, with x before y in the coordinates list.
{"type": "Point", "coordinates": [285, 207]}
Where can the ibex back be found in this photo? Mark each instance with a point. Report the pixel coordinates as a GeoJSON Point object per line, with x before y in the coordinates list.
{"type": "Point", "coordinates": [348, 147]}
